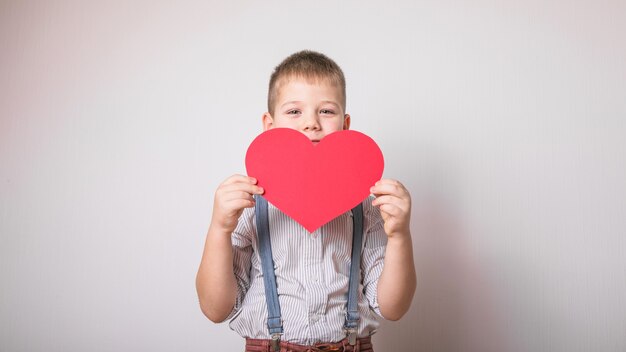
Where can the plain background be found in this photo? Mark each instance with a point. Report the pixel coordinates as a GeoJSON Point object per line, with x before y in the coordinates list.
{"type": "Point", "coordinates": [505, 119]}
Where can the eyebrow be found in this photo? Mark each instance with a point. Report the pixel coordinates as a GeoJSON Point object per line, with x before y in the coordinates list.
{"type": "Point", "coordinates": [290, 102]}
{"type": "Point", "coordinates": [299, 101]}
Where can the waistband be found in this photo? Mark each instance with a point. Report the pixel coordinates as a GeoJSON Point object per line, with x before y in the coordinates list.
{"type": "Point", "coordinates": [363, 344]}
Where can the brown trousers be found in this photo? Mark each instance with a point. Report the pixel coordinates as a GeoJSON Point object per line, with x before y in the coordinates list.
{"type": "Point", "coordinates": [362, 345]}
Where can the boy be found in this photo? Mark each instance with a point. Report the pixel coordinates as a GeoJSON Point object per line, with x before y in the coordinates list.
{"type": "Point", "coordinates": [306, 93]}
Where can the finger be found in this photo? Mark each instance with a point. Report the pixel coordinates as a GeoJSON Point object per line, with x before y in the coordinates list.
{"type": "Point", "coordinates": [385, 201]}
{"type": "Point", "coordinates": [230, 196]}
{"type": "Point", "coordinates": [239, 179]}
{"type": "Point", "coordinates": [391, 210]}
{"type": "Point", "coordinates": [388, 199]}
{"type": "Point", "coordinates": [242, 186]}
{"type": "Point", "coordinates": [387, 188]}
{"type": "Point", "coordinates": [239, 203]}
{"type": "Point", "coordinates": [388, 181]}
{"type": "Point", "coordinates": [395, 183]}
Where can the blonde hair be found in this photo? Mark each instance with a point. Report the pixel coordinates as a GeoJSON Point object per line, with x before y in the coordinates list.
{"type": "Point", "coordinates": [310, 65]}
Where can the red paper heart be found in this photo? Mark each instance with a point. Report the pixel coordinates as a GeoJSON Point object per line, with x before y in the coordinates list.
{"type": "Point", "coordinates": [313, 184]}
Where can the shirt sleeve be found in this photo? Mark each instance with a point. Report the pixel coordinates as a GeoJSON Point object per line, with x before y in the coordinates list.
{"type": "Point", "coordinates": [372, 260]}
{"type": "Point", "coordinates": [242, 256]}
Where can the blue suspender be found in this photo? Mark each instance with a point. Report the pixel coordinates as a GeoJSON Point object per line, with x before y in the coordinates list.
{"type": "Point", "coordinates": [274, 322]}
{"type": "Point", "coordinates": [352, 314]}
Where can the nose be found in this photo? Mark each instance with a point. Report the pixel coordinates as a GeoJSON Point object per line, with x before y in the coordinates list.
{"type": "Point", "coordinates": [311, 122]}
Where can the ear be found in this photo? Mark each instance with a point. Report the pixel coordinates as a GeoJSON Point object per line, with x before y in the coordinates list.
{"type": "Point", "coordinates": [346, 122]}
{"type": "Point", "coordinates": [268, 121]}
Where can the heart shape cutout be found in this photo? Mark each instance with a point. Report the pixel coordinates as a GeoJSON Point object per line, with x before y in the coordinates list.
{"type": "Point", "coordinates": [314, 184]}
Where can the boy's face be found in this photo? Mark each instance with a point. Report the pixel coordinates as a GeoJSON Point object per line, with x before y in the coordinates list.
{"type": "Point", "coordinates": [313, 108]}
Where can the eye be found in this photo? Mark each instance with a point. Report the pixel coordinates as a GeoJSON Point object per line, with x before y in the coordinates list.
{"type": "Point", "coordinates": [293, 112]}
{"type": "Point", "coordinates": [327, 112]}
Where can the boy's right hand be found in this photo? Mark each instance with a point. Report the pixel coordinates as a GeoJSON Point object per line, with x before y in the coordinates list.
{"type": "Point", "coordinates": [231, 197]}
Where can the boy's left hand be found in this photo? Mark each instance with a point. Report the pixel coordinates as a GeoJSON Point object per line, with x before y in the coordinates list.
{"type": "Point", "coordinates": [394, 202]}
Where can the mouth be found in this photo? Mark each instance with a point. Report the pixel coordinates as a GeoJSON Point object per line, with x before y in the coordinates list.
{"type": "Point", "coordinates": [315, 141]}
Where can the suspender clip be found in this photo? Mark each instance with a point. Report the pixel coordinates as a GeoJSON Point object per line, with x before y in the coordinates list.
{"type": "Point", "coordinates": [351, 336]}
{"type": "Point", "coordinates": [275, 342]}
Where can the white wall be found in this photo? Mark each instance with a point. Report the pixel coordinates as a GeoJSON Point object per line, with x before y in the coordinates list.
{"type": "Point", "coordinates": [505, 119]}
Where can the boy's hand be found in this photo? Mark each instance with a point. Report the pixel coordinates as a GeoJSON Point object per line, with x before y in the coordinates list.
{"type": "Point", "coordinates": [394, 202]}
{"type": "Point", "coordinates": [231, 197]}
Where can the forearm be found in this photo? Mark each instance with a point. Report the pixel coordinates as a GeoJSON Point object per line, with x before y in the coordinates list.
{"type": "Point", "coordinates": [397, 282]}
{"type": "Point", "coordinates": [215, 283]}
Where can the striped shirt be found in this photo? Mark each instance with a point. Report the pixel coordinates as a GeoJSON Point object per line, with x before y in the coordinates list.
{"type": "Point", "coordinates": [312, 272]}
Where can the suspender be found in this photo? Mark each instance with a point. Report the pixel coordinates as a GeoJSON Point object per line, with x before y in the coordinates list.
{"type": "Point", "coordinates": [352, 314]}
{"type": "Point", "coordinates": [274, 323]}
